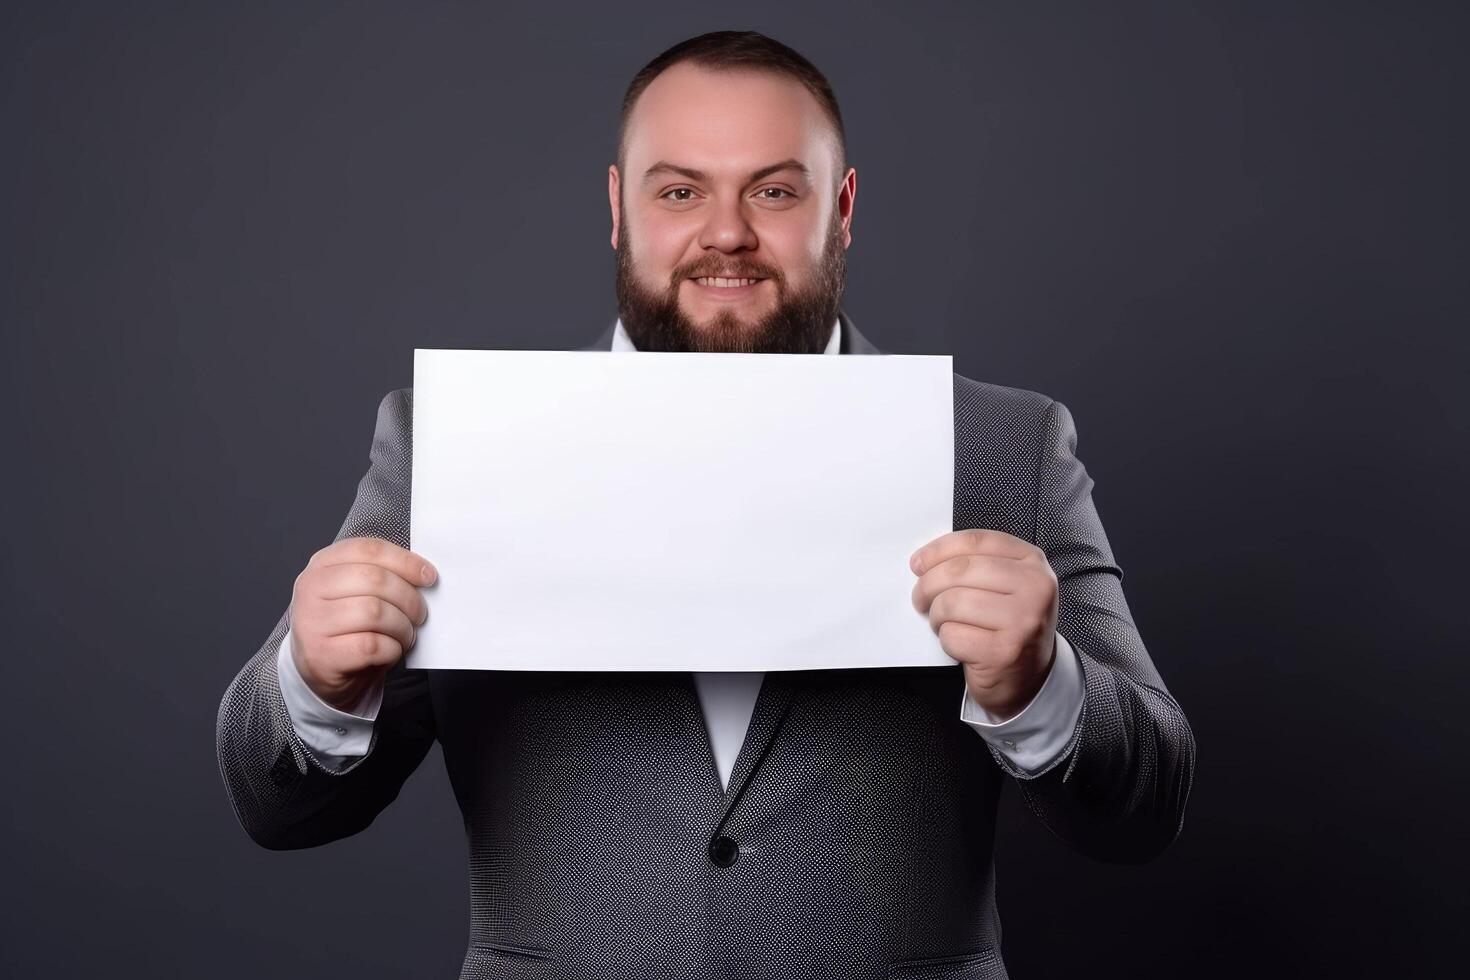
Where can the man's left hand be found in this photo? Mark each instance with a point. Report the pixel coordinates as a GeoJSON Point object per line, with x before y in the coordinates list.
{"type": "Point", "coordinates": [992, 598]}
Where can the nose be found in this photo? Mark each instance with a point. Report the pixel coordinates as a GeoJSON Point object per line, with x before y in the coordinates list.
{"type": "Point", "coordinates": [726, 228]}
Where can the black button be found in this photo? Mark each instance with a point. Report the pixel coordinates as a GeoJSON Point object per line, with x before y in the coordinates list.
{"type": "Point", "coordinates": [723, 851]}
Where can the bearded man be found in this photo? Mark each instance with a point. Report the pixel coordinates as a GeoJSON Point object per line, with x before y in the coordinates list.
{"type": "Point", "coordinates": [794, 824]}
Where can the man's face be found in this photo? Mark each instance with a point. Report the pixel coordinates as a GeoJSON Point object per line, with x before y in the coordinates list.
{"type": "Point", "coordinates": [730, 175]}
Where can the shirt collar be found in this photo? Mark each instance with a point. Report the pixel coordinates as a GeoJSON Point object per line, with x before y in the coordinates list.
{"type": "Point", "coordinates": [622, 342]}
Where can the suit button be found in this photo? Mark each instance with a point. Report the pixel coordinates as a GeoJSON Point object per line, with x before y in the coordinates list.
{"type": "Point", "coordinates": [723, 851]}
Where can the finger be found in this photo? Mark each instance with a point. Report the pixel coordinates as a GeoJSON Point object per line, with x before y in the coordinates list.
{"type": "Point", "coordinates": [968, 644]}
{"type": "Point", "coordinates": [971, 571]}
{"type": "Point", "coordinates": [361, 578]}
{"type": "Point", "coordinates": [972, 607]}
{"type": "Point", "coordinates": [412, 567]}
{"type": "Point", "coordinates": [367, 614]}
{"type": "Point", "coordinates": [971, 541]}
{"type": "Point", "coordinates": [356, 649]}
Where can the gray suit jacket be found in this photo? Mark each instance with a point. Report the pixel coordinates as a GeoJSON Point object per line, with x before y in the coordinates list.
{"type": "Point", "coordinates": [855, 836]}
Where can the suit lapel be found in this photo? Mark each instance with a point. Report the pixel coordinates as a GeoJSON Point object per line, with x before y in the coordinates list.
{"type": "Point", "coordinates": [852, 341]}
{"type": "Point", "coordinates": [777, 687]}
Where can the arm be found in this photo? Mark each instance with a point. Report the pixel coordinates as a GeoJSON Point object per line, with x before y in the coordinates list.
{"type": "Point", "coordinates": [1118, 790]}
{"type": "Point", "coordinates": [282, 794]}
{"type": "Point", "coordinates": [1041, 731]}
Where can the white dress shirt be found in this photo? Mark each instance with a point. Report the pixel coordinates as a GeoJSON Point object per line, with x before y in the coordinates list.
{"type": "Point", "coordinates": [1030, 739]}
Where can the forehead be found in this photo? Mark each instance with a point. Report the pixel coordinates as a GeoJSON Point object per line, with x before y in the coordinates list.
{"type": "Point", "coordinates": [728, 122]}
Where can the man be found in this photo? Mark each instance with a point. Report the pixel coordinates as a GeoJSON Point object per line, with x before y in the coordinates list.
{"type": "Point", "coordinates": [834, 823]}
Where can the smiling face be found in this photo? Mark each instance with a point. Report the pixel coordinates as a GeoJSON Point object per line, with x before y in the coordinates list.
{"type": "Point", "coordinates": [730, 218]}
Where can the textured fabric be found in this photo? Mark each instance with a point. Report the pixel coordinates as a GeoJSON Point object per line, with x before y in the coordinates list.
{"type": "Point", "coordinates": [855, 837]}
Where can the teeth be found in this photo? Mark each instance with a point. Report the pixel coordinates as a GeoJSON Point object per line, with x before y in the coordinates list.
{"type": "Point", "coordinates": [725, 283]}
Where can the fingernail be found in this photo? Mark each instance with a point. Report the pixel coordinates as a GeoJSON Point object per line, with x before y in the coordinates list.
{"type": "Point", "coordinates": [428, 574]}
{"type": "Point", "coordinates": [914, 564]}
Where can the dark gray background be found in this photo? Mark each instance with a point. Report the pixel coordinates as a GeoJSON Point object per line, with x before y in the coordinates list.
{"type": "Point", "coordinates": [1230, 237]}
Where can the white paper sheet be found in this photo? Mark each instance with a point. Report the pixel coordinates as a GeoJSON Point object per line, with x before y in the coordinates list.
{"type": "Point", "coordinates": [640, 510]}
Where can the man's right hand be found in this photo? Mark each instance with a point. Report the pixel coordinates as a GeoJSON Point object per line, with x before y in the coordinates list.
{"type": "Point", "coordinates": [354, 610]}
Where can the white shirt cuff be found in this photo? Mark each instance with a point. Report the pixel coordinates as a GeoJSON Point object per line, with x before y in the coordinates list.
{"type": "Point", "coordinates": [1042, 730]}
{"type": "Point", "coordinates": [331, 734]}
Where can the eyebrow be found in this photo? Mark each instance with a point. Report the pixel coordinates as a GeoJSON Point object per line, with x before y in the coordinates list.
{"type": "Point", "coordinates": [663, 166]}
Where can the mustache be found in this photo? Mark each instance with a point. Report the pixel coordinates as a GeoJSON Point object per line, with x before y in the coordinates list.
{"type": "Point", "coordinates": [747, 270]}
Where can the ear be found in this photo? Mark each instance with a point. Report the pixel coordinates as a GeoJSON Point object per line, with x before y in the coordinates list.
{"type": "Point", "coordinates": [846, 195]}
{"type": "Point", "coordinates": [612, 202]}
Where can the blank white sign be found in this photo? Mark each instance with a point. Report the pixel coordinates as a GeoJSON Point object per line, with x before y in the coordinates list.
{"type": "Point", "coordinates": [640, 510]}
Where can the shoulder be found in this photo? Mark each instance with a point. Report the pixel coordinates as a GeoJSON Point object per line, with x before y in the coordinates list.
{"type": "Point", "coordinates": [1001, 437]}
{"type": "Point", "coordinates": [393, 434]}
{"type": "Point", "coordinates": [992, 411]}
{"type": "Point", "coordinates": [396, 404]}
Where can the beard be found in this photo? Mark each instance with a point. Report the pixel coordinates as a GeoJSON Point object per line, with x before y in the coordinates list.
{"type": "Point", "coordinates": [801, 323]}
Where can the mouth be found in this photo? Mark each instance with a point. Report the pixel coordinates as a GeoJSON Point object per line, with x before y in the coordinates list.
{"type": "Point", "coordinates": [718, 287]}
{"type": "Point", "coordinates": [723, 283]}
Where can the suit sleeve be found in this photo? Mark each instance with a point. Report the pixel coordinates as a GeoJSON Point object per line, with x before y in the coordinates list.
{"type": "Point", "coordinates": [283, 795]}
{"type": "Point", "coordinates": [1118, 791]}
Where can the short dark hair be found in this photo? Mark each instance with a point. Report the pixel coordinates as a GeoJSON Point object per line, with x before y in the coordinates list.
{"type": "Point", "coordinates": [737, 49]}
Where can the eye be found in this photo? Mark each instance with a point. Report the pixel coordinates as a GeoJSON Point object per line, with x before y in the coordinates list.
{"type": "Point", "coordinates": [777, 190]}
{"type": "Point", "coordinates": [679, 190]}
